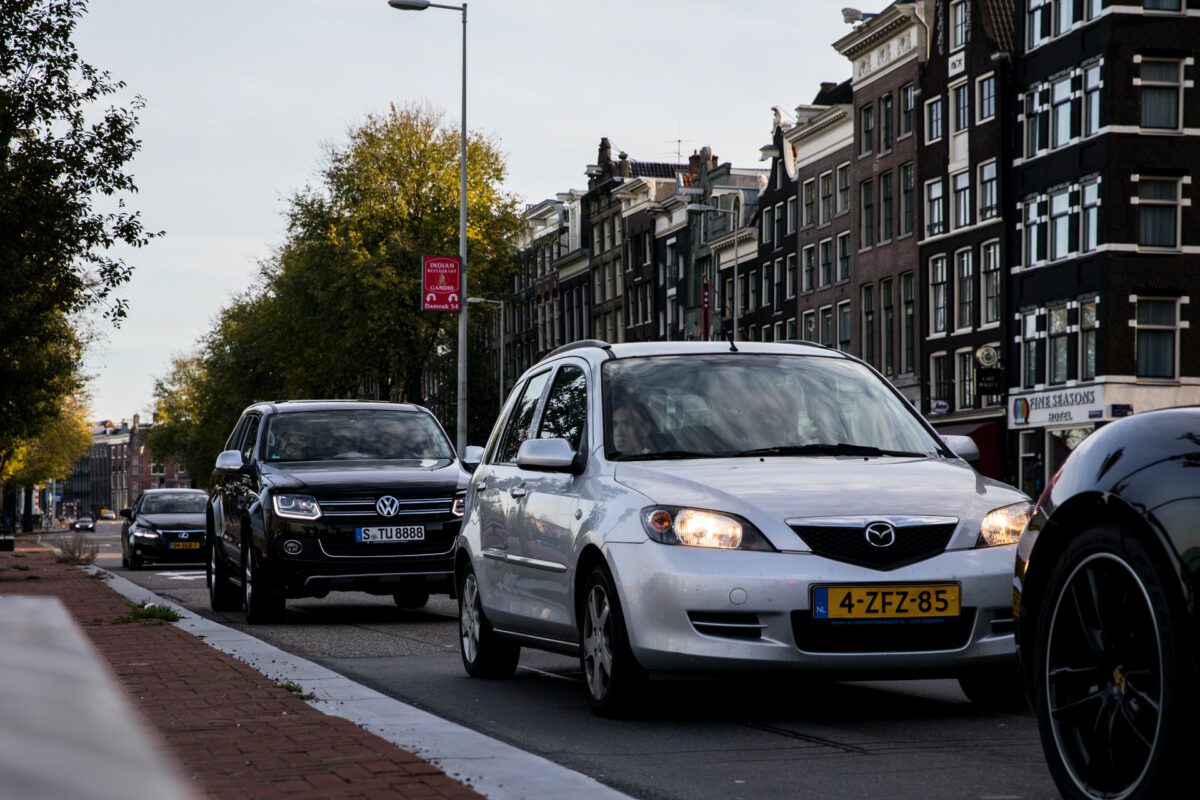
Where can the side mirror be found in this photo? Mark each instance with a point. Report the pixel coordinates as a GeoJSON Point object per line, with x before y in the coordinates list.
{"type": "Point", "coordinates": [962, 446]}
{"type": "Point", "coordinates": [127, 513]}
{"type": "Point", "coordinates": [472, 457]}
{"type": "Point", "coordinates": [547, 455]}
{"type": "Point", "coordinates": [229, 462]}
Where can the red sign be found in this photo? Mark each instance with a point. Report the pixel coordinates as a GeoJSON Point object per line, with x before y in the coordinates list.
{"type": "Point", "coordinates": [442, 282]}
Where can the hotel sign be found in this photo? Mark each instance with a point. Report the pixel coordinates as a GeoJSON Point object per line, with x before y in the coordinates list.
{"type": "Point", "coordinates": [1059, 407]}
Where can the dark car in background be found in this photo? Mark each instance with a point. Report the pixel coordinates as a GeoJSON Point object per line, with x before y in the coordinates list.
{"type": "Point", "coordinates": [84, 524]}
{"type": "Point", "coordinates": [164, 525]}
{"type": "Point", "coordinates": [1106, 585]}
{"type": "Point", "coordinates": [311, 497]}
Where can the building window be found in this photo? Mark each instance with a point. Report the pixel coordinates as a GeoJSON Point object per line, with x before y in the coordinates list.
{"type": "Point", "coordinates": [906, 199]}
{"type": "Point", "coordinates": [1033, 129]}
{"type": "Point", "coordinates": [889, 322]}
{"type": "Point", "coordinates": [768, 224]}
{"type": "Point", "coordinates": [1035, 23]}
{"type": "Point", "coordinates": [939, 385]}
{"type": "Point", "coordinates": [843, 253]}
{"type": "Point", "coordinates": [958, 25]}
{"type": "Point", "coordinates": [809, 318]}
{"type": "Point", "coordinates": [809, 256]}
{"type": "Point", "coordinates": [826, 273]}
{"type": "Point", "coordinates": [907, 323]}
{"type": "Point", "coordinates": [933, 120]}
{"type": "Point", "coordinates": [991, 283]}
{"type": "Point", "coordinates": [826, 187]}
{"type": "Point", "coordinates": [766, 285]}
{"type": "Point", "coordinates": [1091, 100]}
{"type": "Point", "coordinates": [937, 294]}
{"type": "Point", "coordinates": [1092, 8]}
{"type": "Point", "coordinates": [809, 192]}
{"type": "Point", "coordinates": [843, 188]}
{"type": "Point", "coordinates": [885, 207]}
{"type": "Point", "coordinates": [1157, 333]}
{"type": "Point", "coordinates": [866, 119]}
{"type": "Point", "coordinates": [1060, 113]}
{"type": "Point", "coordinates": [1089, 217]}
{"type": "Point", "coordinates": [780, 224]}
{"type": "Point", "coordinates": [752, 287]}
{"type": "Point", "coordinates": [989, 203]}
{"type": "Point", "coordinates": [885, 123]}
{"type": "Point", "coordinates": [791, 274]}
{"type": "Point", "coordinates": [1056, 345]}
{"type": "Point", "coordinates": [867, 216]}
{"type": "Point", "coordinates": [934, 214]}
{"type": "Point", "coordinates": [765, 333]}
{"type": "Point", "coordinates": [985, 90]}
{"type": "Point", "coordinates": [1064, 16]}
{"type": "Point", "coordinates": [868, 324]}
{"type": "Point", "coordinates": [1162, 5]}
{"type": "Point", "coordinates": [964, 374]}
{"type": "Point", "coordinates": [1088, 328]}
{"type": "Point", "coordinates": [964, 272]}
{"type": "Point", "coordinates": [1162, 94]}
{"type": "Point", "coordinates": [1158, 213]}
{"type": "Point", "coordinates": [844, 326]}
{"type": "Point", "coordinates": [791, 215]}
{"type": "Point", "coordinates": [962, 108]}
{"type": "Point", "coordinates": [1030, 233]}
{"type": "Point", "coordinates": [962, 198]}
{"type": "Point", "coordinates": [908, 99]}
{"type": "Point", "coordinates": [827, 326]}
{"type": "Point", "coordinates": [1060, 225]}
{"type": "Point", "coordinates": [1029, 350]}
{"type": "Point", "coordinates": [791, 328]}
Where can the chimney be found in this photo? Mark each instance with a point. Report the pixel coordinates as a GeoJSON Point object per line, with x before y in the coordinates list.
{"type": "Point", "coordinates": [624, 168]}
{"type": "Point", "coordinates": [694, 163]}
{"type": "Point", "coordinates": [828, 85]}
{"type": "Point", "coordinates": [605, 156]}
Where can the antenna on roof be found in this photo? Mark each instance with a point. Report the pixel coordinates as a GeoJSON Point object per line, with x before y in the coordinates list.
{"type": "Point", "coordinates": [729, 337]}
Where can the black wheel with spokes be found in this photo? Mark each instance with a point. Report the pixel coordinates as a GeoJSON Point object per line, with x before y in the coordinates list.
{"type": "Point", "coordinates": [484, 654]}
{"type": "Point", "coordinates": [222, 594]}
{"type": "Point", "coordinates": [614, 680]}
{"type": "Point", "coordinates": [1116, 716]}
{"type": "Point", "coordinates": [263, 601]}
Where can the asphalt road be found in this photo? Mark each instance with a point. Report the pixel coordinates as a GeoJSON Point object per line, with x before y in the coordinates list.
{"type": "Point", "coordinates": [749, 739]}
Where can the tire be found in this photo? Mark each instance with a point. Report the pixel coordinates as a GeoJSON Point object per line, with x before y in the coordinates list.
{"type": "Point", "coordinates": [135, 563]}
{"type": "Point", "coordinates": [222, 594]}
{"type": "Point", "coordinates": [124, 560]}
{"type": "Point", "coordinates": [261, 598]}
{"type": "Point", "coordinates": [411, 597]}
{"type": "Point", "coordinates": [484, 654]}
{"type": "Point", "coordinates": [614, 681]}
{"type": "Point", "coordinates": [1115, 698]}
{"type": "Point", "coordinates": [995, 688]}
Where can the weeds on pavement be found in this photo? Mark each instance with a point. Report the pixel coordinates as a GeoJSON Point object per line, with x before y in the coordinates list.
{"type": "Point", "coordinates": [149, 612]}
{"type": "Point", "coordinates": [76, 550]}
{"type": "Point", "coordinates": [294, 688]}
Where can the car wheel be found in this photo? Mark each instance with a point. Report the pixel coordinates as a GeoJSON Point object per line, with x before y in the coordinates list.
{"type": "Point", "coordinates": [135, 562]}
{"type": "Point", "coordinates": [124, 559]}
{"type": "Point", "coordinates": [612, 676]}
{"type": "Point", "coordinates": [1117, 714]}
{"type": "Point", "coordinates": [222, 594]}
{"type": "Point", "coordinates": [484, 654]}
{"type": "Point", "coordinates": [262, 600]}
{"type": "Point", "coordinates": [411, 597]}
{"type": "Point", "coordinates": [998, 688]}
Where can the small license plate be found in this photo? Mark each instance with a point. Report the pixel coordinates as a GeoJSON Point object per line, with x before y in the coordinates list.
{"type": "Point", "coordinates": [402, 533]}
{"type": "Point", "coordinates": [886, 602]}
{"type": "Point", "coordinates": [185, 545]}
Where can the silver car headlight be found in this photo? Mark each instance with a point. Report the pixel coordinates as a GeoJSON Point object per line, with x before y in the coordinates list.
{"type": "Point", "coordinates": [296, 506]}
{"type": "Point", "coordinates": [697, 527]}
{"type": "Point", "coordinates": [1004, 525]}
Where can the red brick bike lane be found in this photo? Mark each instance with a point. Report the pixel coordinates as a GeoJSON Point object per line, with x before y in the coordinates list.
{"type": "Point", "coordinates": [235, 733]}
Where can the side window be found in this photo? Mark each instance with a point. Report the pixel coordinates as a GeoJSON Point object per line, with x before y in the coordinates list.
{"type": "Point", "coordinates": [251, 436]}
{"type": "Point", "coordinates": [235, 436]}
{"type": "Point", "coordinates": [520, 424]}
{"type": "Point", "coordinates": [565, 416]}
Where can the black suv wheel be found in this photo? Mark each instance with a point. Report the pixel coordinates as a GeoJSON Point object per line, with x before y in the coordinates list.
{"type": "Point", "coordinates": [264, 602]}
{"type": "Point", "coordinates": [222, 594]}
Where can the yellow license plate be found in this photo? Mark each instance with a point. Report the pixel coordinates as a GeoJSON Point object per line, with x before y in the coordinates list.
{"type": "Point", "coordinates": [185, 545]}
{"type": "Point", "coordinates": [886, 602]}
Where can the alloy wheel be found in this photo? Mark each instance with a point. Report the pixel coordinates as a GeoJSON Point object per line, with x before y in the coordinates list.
{"type": "Point", "coordinates": [1104, 677]}
{"type": "Point", "coordinates": [469, 619]}
{"type": "Point", "coordinates": [597, 642]}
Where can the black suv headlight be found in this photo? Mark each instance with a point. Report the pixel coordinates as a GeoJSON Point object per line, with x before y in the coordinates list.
{"type": "Point", "coordinates": [697, 527]}
{"type": "Point", "coordinates": [460, 504]}
{"type": "Point", "coordinates": [296, 506]}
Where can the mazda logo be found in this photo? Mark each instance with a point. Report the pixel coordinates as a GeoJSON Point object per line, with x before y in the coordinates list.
{"type": "Point", "coordinates": [387, 506]}
{"type": "Point", "coordinates": [881, 534]}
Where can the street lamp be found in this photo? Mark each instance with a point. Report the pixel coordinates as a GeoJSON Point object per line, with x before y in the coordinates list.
{"type": "Point", "coordinates": [421, 5]}
{"type": "Point", "coordinates": [475, 301]}
{"type": "Point", "coordinates": [700, 208]}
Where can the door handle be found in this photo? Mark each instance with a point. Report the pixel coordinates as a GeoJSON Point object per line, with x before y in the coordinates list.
{"type": "Point", "coordinates": [518, 491]}
{"type": "Point", "coordinates": [481, 486]}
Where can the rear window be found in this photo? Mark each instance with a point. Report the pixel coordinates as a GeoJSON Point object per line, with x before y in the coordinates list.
{"type": "Point", "coordinates": [352, 435]}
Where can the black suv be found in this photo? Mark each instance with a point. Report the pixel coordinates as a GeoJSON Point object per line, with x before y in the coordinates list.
{"type": "Point", "coordinates": [315, 496]}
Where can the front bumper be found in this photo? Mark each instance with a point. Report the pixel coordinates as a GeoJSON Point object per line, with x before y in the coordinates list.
{"type": "Point", "coordinates": [689, 609]}
{"type": "Point", "coordinates": [167, 548]}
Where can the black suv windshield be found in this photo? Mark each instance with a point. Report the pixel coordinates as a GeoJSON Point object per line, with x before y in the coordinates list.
{"type": "Point", "coordinates": [355, 435]}
{"type": "Point", "coordinates": [173, 504]}
{"type": "Point", "coordinates": [753, 404]}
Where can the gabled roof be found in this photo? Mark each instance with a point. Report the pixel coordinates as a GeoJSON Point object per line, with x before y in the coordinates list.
{"type": "Point", "coordinates": [835, 93]}
{"type": "Point", "coordinates": [998, 23]}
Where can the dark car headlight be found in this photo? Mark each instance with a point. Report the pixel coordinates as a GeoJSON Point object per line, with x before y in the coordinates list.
{"type": "Point", "coordinates": [296, 506]}
{"type": "Point", "coordinates": [697, 527]}
{"type": "Point", "coordinates": [459, 505]}
{"type": "Point", "coordinates": [142, 531]}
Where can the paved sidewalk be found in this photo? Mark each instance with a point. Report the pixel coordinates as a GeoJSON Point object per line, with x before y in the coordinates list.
{"type": "Point", "coordinates": [234, 732]}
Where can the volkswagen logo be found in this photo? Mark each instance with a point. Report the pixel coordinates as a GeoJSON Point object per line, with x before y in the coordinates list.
{"type": "Point", "coordinates": [387, 506]}
{"type": "Point", "coordinates": [881, 534]}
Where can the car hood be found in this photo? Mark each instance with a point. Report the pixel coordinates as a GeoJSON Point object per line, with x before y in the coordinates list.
{"type": "Point", "coordinates": [169, 522]}
{"type": "Point", "coordinates": [781, 488]}
{"type": "Point", "coordinates": [337, 477]}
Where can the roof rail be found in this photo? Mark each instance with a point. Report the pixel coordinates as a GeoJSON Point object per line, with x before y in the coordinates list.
{"type": "Point", "coordinates": [807, 343]}
{"type": "Point", "coordinates": [581, 343]}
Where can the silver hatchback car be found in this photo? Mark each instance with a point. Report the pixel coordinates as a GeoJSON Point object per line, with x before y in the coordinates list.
{"type": "Point", "coordinates": [697, 508]}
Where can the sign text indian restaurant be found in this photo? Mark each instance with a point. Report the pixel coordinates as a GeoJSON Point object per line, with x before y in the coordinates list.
{"type": "Point", "coordinates": [441, 283]}
{"type": "Point", "coordinates": [1058, 407]}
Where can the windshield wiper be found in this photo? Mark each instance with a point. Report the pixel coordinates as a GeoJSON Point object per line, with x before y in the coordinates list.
{"type": "Point", "coordinates": [825, 449]}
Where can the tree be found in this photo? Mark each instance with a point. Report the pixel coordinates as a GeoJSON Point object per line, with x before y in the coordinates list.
{"type": "Point", "coordinates": [62, 158]}
{"type": "Point", "coordinates": [50, 452]}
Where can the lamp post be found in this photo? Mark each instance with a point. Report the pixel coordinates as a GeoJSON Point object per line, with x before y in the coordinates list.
{"type": "Point", "coordinates": [421, 5]}
{"type": "Point", "coordinates": [701, 208]}
{"type": "Point", "coordinates": [475, 301]}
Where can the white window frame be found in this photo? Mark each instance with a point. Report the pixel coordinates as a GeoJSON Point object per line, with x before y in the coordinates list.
{"type": "Point", "coordinates": [959, 25]}
{"type": "Point", "coordinates": [963, 209]}
{"type": "Point", "coordinates": [1088, 226]}
{"type": "Point", "coordinates": [824, 210]}
{"type": "Point", "coordinates": [791, 215]}
{"type": "Point", "coordinates": [980, 117]}
{"type": "Point", "coordinates": [964, 376]}
{"type": "Point", "coordinates": [1091, 99]}
{"type": "Point", "coordinates": [939, 296]}
{"type": "Point", "coordinates": [1178, 202]}
{"type": "Point", "coordinates": [790, 273]}
{"type": "Point", "coordinates": [960, 99]}
{"type": "Point", "coordinates": [1061, 113]}
{"type": "Point", "coordinates": [843, 255]}
{"type": "Point", "coordinates": [990, 270]}
{"type": "Point", "coordinates": [964, 254]}
{"type": "Point", "coordinates": [844, 323]}
{"type": "Point", "coordinates": [808, 267]}
{"type": "Point", "coordinates": [933, 219]}
{"type": "Point", "coordinates": [808, 211]}
{"type": "Point", "coordinates": [1178, 326]}
{"type": "Point", "coordinates": [930, 134]}
{"type": "Point", "coordinates": [986, 211]}
{"type": "Point", "coordinates": [842, 182]}
{"type": "Point", "coordinates": [1084, 330]}
{"type": "Point", "coordinates": [1178, 85]}
{"type": "Point", "coordinates": [1053, 335]}
{"type": "Point", "coordinates": [808, 326]}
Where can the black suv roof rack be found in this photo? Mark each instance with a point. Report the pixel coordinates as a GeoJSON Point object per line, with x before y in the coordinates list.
{"type": "Point", "coordinates": [581, 343]}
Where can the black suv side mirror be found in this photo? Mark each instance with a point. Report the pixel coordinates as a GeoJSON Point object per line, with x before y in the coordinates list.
{"type": "Point", "coordinates": [229, 462]}
{"type": "Point", "coordinates": [127, 513]}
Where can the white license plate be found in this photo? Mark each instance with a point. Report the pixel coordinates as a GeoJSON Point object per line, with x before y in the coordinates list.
{"type": "Point", "coordinates": [402, 533]}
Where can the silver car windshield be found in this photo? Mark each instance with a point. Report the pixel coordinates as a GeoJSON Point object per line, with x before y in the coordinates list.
{"type": "Point", "coordinates": [355, 436]}
{"type": "Point", "coordinates": [753, 404]}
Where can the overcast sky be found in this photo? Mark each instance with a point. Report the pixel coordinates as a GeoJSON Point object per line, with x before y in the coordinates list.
{"type": "Point", "coordinates": [243, 96]}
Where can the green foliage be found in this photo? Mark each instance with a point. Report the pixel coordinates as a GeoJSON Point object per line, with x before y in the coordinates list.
{"type": "Point", "coordinates": [148, 612]}
{"type": "Point", "coordinates": [54, 449]}
{"type": "Point", "coordinates": [337, 311]}
{"type": "Point", "coordinates": [62, 183]}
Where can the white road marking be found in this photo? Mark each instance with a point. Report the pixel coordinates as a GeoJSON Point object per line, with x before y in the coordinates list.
{"type": "Point", "coordinates": [182, 576]}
